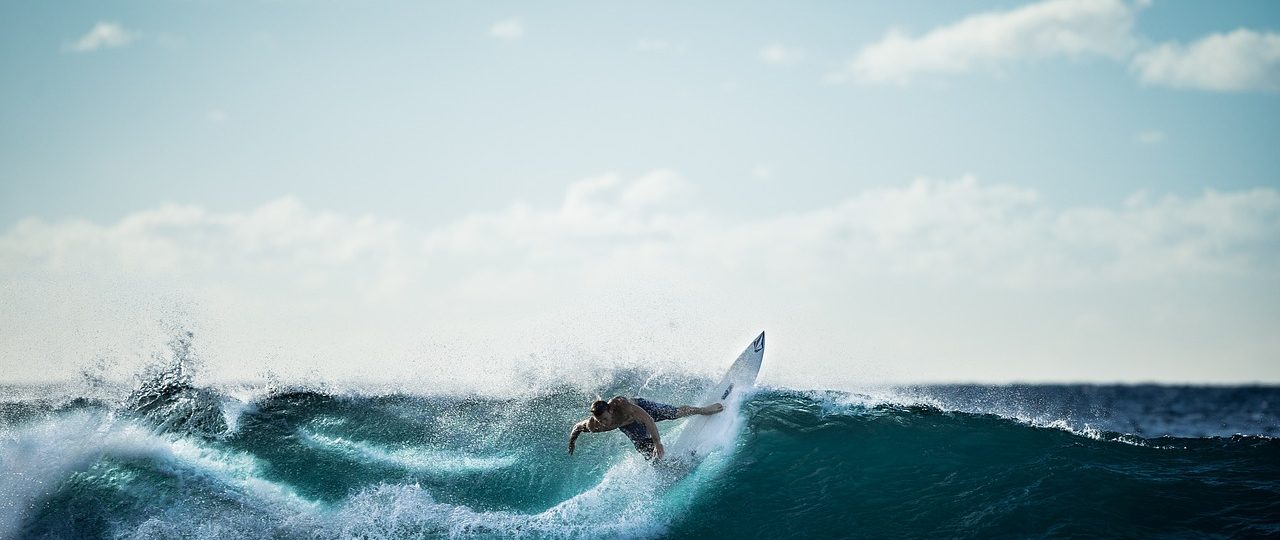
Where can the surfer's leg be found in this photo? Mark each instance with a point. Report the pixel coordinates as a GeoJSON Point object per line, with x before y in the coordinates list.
{"type": "Point", "coordinates": [686, 410]}
{"type": "Point", "coordinates": [659, 411]}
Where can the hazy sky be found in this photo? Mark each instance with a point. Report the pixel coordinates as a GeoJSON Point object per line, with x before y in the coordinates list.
{"type": "Point", "coordinates": [1064, 190]}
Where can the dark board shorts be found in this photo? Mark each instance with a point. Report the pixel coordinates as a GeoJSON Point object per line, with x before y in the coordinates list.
{"type": "Point", "coordinates": [637, 433]}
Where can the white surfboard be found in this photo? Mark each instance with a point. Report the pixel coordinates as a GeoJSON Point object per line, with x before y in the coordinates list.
{"type": "Point", "coordinates": [705, 434]}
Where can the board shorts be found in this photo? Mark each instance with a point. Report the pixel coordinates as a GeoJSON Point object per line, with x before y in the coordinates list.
{"type": "Point", "coordinates": [636, 431]}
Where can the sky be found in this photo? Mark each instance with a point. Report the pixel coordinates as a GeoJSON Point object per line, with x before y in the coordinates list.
{"type": "Point", "coordinates": [481, 193]}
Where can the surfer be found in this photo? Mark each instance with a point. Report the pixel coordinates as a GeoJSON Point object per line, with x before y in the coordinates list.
{"type": "Point", "coordinates": [637, 420]}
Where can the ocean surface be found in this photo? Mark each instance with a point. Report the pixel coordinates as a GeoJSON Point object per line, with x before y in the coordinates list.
{"type": "Point", "coordinates": [168, 458]}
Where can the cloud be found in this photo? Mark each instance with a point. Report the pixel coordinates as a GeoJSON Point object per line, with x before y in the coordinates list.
{"type": "Point", "coordinates": [216, 116]}
{"type": "Point", "coordinates": [104, 35]}
{"type": "Point", "coordinates": [778, 54]}
{"type": "Point", "coordinates": [509, 29]}
{"type": "Point", "coordinates": [282, 235]}
{"type": "Point", "coordinates": [1242, 60]}
{"type": "Point", "coordinates": [620, 258]}
{"type": "Point", "coordinates": [995, 40]}
{"type": "Point", "coordinates": [989, 232]}
{"type": "Point", "coordinates": [1151, 136]}
{"type": "Point", "coordinates": [600, 207]}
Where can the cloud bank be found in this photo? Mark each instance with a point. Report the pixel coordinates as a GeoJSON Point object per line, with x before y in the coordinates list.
{"type": "Point", "coordinates": [932, 280]}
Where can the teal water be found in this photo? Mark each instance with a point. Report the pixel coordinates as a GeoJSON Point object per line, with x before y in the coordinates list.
{"type": "Point", "coordinates": [173, 460]}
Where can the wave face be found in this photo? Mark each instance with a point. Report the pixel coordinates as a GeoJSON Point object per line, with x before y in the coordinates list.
{"type": "Point", "coordinates": [947, 461]}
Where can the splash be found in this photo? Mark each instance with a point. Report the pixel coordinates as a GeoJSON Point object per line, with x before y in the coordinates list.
{"type": "Point", "coordinates": [167, 397]}
{"type": "Point", "coordinates": [345, 464]}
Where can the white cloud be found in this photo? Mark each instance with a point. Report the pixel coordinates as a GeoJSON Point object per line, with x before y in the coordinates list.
{"type": "Point", "coordinates": [778, 54]}
{"type": "Point", "coordinates": [509, 29]}
{"type": "Point", "coordinates": [600, 207]}
{"type": "Point", "coordinates": [1243, 60]}
{"type": "Point", "coordinates": [1151, 136]}
{"type": "Point", "coordinates": [618, 259]}
{"type": "Point", "coordinates": [102, 35]}
{"type": "Point", "coordinates": [995, 40]}
{"type": "Point", "coordinates": [282, 235]}
{"type": "Point", "coordinates": [957, 260]}
{"type": "Point", "coordinates": [660, 187]}
{"type": "Point", "coordinates": [216, 116]}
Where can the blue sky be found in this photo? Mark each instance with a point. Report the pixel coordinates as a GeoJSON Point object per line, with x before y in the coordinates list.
{"type": "Point", "coordinates": [448, 122]}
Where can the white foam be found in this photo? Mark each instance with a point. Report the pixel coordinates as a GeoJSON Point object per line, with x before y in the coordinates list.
{"type": "Point", "coordinates": [625, 504]}
{"type": "Point", "coordinates": [835, 402]}
{"type": "Point", "coordinates": [407, 457]}
{"type": "Point", "coordinates": [35, 460]}
{"type": "Point", "coordinates": [232, 409]}
{"type": "Point", "coordinates": [630, 501]}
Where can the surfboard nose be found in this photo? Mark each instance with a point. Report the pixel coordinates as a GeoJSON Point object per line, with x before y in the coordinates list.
{"type": "Point", "coordinates": [758, 344]}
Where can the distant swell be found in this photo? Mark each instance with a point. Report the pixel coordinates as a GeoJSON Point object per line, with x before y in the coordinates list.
{"type": "Point", "coordinates": [174, 460]}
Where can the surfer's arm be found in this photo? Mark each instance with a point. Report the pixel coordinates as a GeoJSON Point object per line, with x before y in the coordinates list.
{"type": "Point", "coordinates": [578, 428]}
{"type": "Point", "coordinates": [589, 424]}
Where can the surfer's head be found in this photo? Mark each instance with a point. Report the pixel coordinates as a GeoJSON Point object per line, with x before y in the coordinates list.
{"type": "Point", "coordinates": [599, 407]}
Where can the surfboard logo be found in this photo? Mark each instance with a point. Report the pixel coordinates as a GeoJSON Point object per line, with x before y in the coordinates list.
{"type": "Point", "coordinates": [726, 392]}
{"type": "Point", "coordinates": [758, 344]}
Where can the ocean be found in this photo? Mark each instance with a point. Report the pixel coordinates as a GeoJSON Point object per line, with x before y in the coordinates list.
{"type": "Point", "coordinates": [169, 458]}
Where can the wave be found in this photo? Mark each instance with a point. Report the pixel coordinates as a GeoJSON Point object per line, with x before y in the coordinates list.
{"type": "Point", "coordinates": [295, 462]}
{"type": "Point", "coordinates": [51, 459]}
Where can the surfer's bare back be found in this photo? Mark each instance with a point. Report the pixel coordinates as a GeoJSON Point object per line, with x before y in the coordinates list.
{"type": "Point", "coordinates": [637, 420]}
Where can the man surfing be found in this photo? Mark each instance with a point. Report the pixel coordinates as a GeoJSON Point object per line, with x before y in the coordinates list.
{"type": "Point", "coordinates": [637, 420]}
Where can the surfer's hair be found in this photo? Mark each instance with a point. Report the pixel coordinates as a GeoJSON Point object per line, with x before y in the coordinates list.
{"type": "Point", "coordinates": [598, 407]}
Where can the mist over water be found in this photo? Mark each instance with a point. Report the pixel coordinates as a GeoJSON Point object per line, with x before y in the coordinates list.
{"type": "Point", "coordinates": [166, 456]}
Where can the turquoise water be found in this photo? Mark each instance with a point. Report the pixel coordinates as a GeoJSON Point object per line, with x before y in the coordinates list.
{"type": "Point", "coordinates": [175, 460]}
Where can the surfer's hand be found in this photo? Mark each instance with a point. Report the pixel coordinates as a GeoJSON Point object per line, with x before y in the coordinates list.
{"type": "Point", "coordinates": [571, 448]}
{"type": "Point", "coordinates": [714, 408]}
{"type": "Point", "coordinates": [658, 451]}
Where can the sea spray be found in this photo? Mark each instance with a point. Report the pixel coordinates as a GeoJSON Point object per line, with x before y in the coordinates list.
{"type": "Point", "coordinates": [918, 461]}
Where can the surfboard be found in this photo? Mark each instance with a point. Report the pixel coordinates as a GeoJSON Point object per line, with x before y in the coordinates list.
{"type": "Point", "coordinates": [705, 434]}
